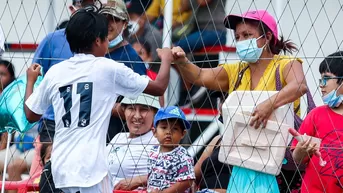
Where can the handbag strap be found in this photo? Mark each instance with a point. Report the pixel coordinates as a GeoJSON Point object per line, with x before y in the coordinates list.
{"type": "Point", "coordinates": [311, 105]}
{"type": "Point", "coordinates": [240, 76]}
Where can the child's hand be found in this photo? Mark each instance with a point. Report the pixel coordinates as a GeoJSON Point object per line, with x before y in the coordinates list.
{"type": "Point", "coordinates": [165, 54]}
{"type": "Point", "coordinates": [128, 184]}
{"type": "Point", "coordinates": [33, 72]}
{"type": "Point", "coordinates": [179, 56]}
{"type": "Point", "coordinates": [304, 149]}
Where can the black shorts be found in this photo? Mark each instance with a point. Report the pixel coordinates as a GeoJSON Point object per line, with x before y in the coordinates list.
{"type": "Point", "coordinates": [47, 130]}
{"type": "Point", "coordinates": [46, 183]}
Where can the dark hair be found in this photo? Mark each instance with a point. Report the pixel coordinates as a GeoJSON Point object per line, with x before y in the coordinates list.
{"type": "Point", "coordinates": [84, 27]}
{"type": "Point", "coordinates": [180, 121]}
{"type": "Point", "coordinates": [280, 45]}
{"type": "Point", "coordinates": [83, 3]}
{"type": "Point", "coordinates": [333, 64]}
{"type": "Point", "coordinates": [9, 66]}
{"type": "Point", "coordinates": [145, 44]}
{"type": "Point", "coordinates": [43, 151]}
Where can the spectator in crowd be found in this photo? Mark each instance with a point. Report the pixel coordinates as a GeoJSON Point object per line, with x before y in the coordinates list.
{"type": "Point", "coordinates": [128, 152]}
{"type": "Point", "coordinates": [209, 28]}
{"type": "Point", "coordinates": [325, 123]}
{"type": "Point", "coordinates": [21, 154]}
{"type": "Point", "coordinates": [46, 182]}
{"type": "Point", "coordinates": [7, 74]}
{"type": "Point", "coordinates": [120, 50]}
{"type": "Point", "coordinates": [143, 49]}
{"type": "Point", "coordinates": [76, 4]}
{"type": "Point", "coordinates": [156, 10]}
{"type": "Point", "coordinates": [141, 28]}
{"type": "Point", "coordinates": [259, 48]}
{"type": "Point", "coordinates": [210, 173]}
{"type": "Point", "coordinates": [53, 49]}
{"type": "Point", "coordinates": [86, 72]}
{"type": "Point", "coordinates": [170, 166]}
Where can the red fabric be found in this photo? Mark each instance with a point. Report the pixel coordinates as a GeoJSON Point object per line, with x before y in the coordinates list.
{"type": "Point", "coordinates": [151, 74]}
{"type": "Point", "coordinates": [327, 125]}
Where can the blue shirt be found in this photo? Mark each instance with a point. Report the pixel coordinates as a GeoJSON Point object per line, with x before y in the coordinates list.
{"type": "Point", "coordinates": [127, 55]}
{"type": "Point", "coordinates": [53, 49]}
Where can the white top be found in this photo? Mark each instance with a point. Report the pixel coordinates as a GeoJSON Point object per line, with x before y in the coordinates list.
{"type": "Point", "coordinates": [83, 91]}
{"type": "Point", "coordinates": [128, 157]}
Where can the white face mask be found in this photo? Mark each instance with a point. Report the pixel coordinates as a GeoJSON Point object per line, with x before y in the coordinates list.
{"type": "Point", "coordinates": [134, 27]}
{"type": "Point", "coordinates": [113, 43]}
{"type": "Point", "coordinates": [332, 100]}
{"type": "Point", "coordinates": [248, 50]}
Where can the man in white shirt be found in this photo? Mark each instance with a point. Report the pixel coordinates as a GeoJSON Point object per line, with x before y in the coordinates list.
{"type": "Point", "coordinates": [83, 91]}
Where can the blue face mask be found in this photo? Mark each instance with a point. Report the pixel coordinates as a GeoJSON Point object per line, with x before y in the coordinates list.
{"type": "Point", "coordinates": [113, 43]}
{"type": "Point", "coordinates": [248, 51]}
{"type": "Point", "coordinates": [332, 100]}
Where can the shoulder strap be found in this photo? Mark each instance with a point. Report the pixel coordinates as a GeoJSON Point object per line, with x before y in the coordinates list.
{"type": "Point", "coordinates": [240, 76]}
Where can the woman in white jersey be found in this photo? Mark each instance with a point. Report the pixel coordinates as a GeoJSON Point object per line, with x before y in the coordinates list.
{"type": "Point", "coordinates": [128, 152]}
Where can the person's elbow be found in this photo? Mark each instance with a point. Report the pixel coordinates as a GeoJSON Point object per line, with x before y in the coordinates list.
{"type": "Point", "coordinates": [303, 88]}
{"type": "Point", "coordinates": [31, 116]}
{"type": "Point", "coordinates": [159, 90]}
{"type": "Point", "coordinates": [155, 88]}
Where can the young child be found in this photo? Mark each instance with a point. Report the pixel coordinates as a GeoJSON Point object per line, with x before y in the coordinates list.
{"type": "Point", "coordinates": [326, 123]}
{"type": "Point", "coordinates": [83, 90]}
{"type": "Point", "coordinates": [170, 166]}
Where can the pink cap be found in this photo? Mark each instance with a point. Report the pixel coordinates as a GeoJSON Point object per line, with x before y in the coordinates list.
{"type": "Point", "coordinates": [259, 15]}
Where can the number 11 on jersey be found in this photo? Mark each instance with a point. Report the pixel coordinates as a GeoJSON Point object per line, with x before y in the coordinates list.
{"type": "Point", "coordinates": [85, 90]}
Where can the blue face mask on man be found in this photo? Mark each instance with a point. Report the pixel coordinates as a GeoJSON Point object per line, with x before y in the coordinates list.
{"type": "Point", "coordinates": [248, 50]}
{"type": "Point", "coordinates": [116, 41]}
{"type": "Point", "coordinates": [332, 100]}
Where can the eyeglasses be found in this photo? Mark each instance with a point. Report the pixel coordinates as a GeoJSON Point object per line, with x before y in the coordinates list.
{"type": "Point", "coordinates": [323, 80]}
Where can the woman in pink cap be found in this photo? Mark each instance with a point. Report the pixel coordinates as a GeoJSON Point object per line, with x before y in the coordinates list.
{"type": "Point", "coordinates": [262, 68]}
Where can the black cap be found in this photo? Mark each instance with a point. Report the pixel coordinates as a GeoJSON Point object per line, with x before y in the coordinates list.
{"type": "Point", "coordinates": [137, 7]}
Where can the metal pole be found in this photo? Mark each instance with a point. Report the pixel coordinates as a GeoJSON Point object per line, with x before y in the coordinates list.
{"type": "Point", "coordinates": [167, 38]}
{"type": "Point", "coordinates": [9, 137]}
{"type": "Point", "coordinates": [168, 22]}
{"type": "Point", "coordinates": [51, 20]}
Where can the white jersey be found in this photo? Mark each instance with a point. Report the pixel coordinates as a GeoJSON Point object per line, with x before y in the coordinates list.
{"type": "Point", "coordinates": [83, 91]}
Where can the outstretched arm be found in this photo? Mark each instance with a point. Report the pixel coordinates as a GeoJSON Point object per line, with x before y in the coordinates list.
{"type": "Point", "coordinates": [211, 78]}
{"type": "Point", "coordinates": [158, 86]}
{"type": "Point", "coordinates": [32, 74]}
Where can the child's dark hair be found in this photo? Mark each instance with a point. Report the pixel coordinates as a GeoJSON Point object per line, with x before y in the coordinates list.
{"type": "Point", "coordinates": [280, 45]}
{"type": "Point", "coordinates": [170, 120]}
{"type": "Point", "coordinates": [43, 151]}
{"type": "Point", "coordinates": [333, 64]}
{"type": "Point", "coordinates": [145, 44]}
{"type": "Point", "coordinates": [84, 26]}
{"type": "Point", "coordinates": [9, 66]}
